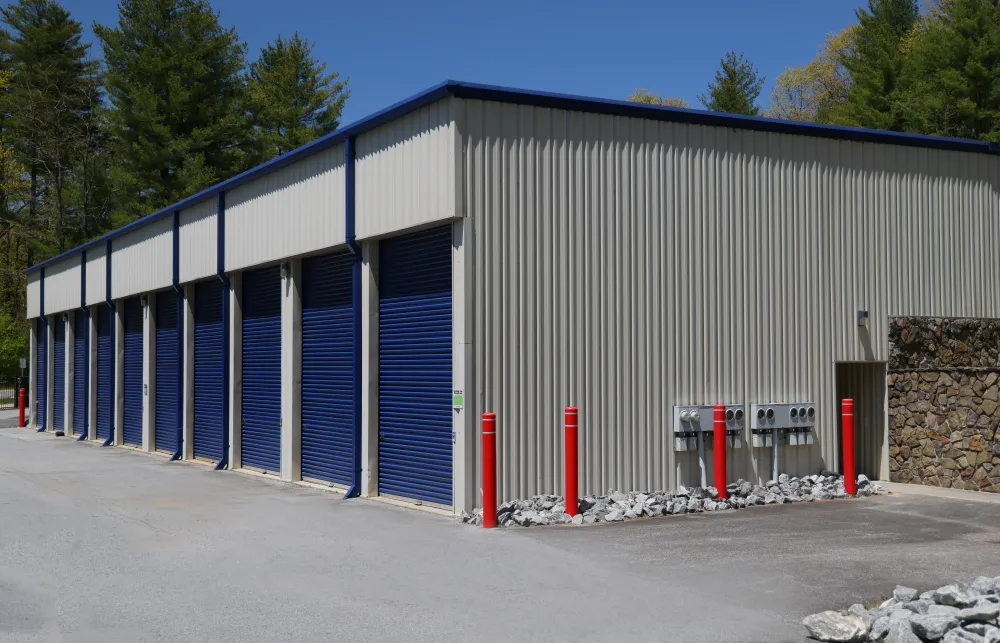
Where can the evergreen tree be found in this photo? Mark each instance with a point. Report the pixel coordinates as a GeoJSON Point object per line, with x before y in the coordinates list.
{"type": "Point", "coordinates": [952, 87]}
{"type": "Point", "coordinates": [178, 121]}
{"type": "Point", "coordinates": [874, 63]}
{"type": "Point", "coordinates": [291, 97]}
{"type": "Point", "coordinates": [52, 96]}
{"type": "Point", "coordinates": [736, 87]}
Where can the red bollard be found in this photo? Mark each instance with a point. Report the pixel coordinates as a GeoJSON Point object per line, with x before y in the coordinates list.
{"type": "Point", "coordinates": [489, 470]}
{"type": "Point", "coordinates": [719, 444]}
{"type": "Point", "coordinates": [572, 497]}
{"type": "Point", "coordinates": [850, 477]}
{"type": "Point", "coordinates": [20, 408]}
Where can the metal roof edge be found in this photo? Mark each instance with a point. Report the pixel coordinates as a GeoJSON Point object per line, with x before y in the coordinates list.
{"type": "Point", "coordinates": [313, 147]}
{"type": "Point", "coordinates": [715, 119]}
{"type": "Point", "coordinates": [536, 98]}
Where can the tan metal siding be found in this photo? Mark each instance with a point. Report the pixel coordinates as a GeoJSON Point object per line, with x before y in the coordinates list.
{"type": "Point", "coordinates": [198, 248]}
{"type": "Point", "coordinates": [296, 210]}
{"type": "Point", "coordinates": [97, 277]}
{"type": "Point", "coordinates": [405, 172]}
{"type": "Point", "coordinates": [62, 286]}
{"type": "Point", "coordinates": [33, 304]}
{"type": "Point", "coordinates": [142, 261]}
{"type": "Point", "coordinates": [626, 266]}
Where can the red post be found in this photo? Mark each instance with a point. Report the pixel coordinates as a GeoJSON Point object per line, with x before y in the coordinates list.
{"type": "Point", "coordinates": [572, 497]}
{"type": "Point", "coordinates": [489, 470]}
{"type": "Point", "coordinates": [850, 477]}
{"type": "Point", "coordinates": [719, 444]}
{"type": "Point", "coordinates": [20, 408]}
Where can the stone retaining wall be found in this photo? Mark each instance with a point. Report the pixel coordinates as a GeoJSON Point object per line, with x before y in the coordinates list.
{"type": "Point", "coordinates": [944, 402]}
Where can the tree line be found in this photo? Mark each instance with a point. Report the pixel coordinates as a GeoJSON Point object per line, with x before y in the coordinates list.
{"type": "Point", "coordinates": [170, 104]}
{"type": "Point", "coordinates": [895, 68]}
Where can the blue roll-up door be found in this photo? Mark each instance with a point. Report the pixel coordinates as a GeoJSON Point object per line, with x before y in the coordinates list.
{"type": "Point", "coordinates": [80, 365]}
{"type": "Point", "coordinates": [59, 375]}
{"type": "Point", "coordinates": [208, 356]}
{"type": "Point", "coordinates": [260, 444]}
{"type": "Point", "coordinates": [132, 391]}
{"type": "Point", "coordinates": [105, 373]}
{"type": "Point", "coordinates": [327, 369]}
{"type": "Point", "coordinates": [41, 374]}
{"type": "Point", "coordinates": [167, 359]}
{"type": "Point", "coordinates": [415, 365]}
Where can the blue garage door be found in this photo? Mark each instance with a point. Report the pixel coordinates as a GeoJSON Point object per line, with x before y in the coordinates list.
{"type": "Point", "coordinates": [167, 369]}
{"type": "Point", "coordinates": [80, 365]}
{"type": "Point", "coordinates": [105, 372]}
{"type": "Point", "coordinates": [260, 444]}
{"type": "Point", "coordinates": [208, 355]}
{"type": "Point", "coordinates": [415, 356]}
{"type": "Point", "coordinates": [327, 369]}
{"type": "Point", "coordinates": [41, 373]}
{"type": "Point", "coordinates": [132, 392]}
{"type": "Point", "coordinates": [59, 375]}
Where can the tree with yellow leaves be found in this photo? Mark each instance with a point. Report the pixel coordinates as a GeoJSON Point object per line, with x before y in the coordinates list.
{"type": "Point", "coordinates": [641, 95]}
{"type": "Point", "coordinates": [807, 93]}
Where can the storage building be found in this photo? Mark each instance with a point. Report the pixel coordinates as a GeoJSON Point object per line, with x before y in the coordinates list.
{"type": "Point", "coordinates": [344, 313]}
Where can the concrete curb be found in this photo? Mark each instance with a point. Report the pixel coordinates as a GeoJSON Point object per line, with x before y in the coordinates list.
{"type": "Point", "coordinates": [902, 489]}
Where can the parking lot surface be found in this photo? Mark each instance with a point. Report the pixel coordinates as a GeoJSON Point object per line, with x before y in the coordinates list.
{"type": "Point", "coordinates": [106, 544]}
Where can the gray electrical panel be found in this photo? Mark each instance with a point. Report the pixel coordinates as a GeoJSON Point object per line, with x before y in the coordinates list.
{"type": "Point", "coordinates": [690, 420]}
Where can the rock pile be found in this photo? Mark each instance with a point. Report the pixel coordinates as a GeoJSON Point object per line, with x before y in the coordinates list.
{"type": "Point", "coordinates": [617, 505]}
{"type": "Point", "coordinates": [955, 613]}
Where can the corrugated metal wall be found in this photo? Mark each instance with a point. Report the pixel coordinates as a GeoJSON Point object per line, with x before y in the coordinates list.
{"type": "Point", "coordinates": [142, 260]}
{"type": "Point", "coordinates": [33, 305]}
{"type": "Point", "coordinates": [62, 285]}
{"type": "Point", "coordinates": [258, 228]}
{"type": "Point", "coordinates": [198, 246]}
{"type": "Point", "coordinates": [626, 266]}
{"type": "Point", "coordinates": [97, 276]}
{"type": "Point", "coordinates": [406, 171]}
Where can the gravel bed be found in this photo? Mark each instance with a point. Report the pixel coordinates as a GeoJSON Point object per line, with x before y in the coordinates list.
{"type": "Point", "coordinates": [957, 613]}
{"type": "Point", "coordinates": [617, 506]}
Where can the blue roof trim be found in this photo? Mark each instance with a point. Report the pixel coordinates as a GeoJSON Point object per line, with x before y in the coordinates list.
{"type": "Point", "coordinates": [553, 100]}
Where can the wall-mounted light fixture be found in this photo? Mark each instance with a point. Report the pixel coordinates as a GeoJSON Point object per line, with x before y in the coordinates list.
{"type": "Point", "coordinates": [862, 318]}
{"type": "Point", "coordinates": [144, 300]}
{"type": "Point", "coordinates": [284, 270]}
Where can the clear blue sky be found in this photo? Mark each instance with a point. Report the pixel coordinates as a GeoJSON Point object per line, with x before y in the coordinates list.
{"type": "Point", "coordinates": [392, 49]}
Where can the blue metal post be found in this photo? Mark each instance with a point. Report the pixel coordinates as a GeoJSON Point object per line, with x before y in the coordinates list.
{"type": "Point", "coordinates": [111, 338]}
{"type": "Point", "coordinates": [48, 348]}
{"type": "Point", "coordinates": [221, 271]}
{"type": "Point", "coordinates": [352, 244]}
{"type": "Point", "coordinates": [179, 452]}
{"type": "Point", "coordinates": [85, 433]}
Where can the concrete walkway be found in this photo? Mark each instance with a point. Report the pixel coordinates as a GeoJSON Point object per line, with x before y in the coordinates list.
{"type": "Point", "coordinates": [960, 495]}
{"type": "Point", "coordinates": [105, 545]}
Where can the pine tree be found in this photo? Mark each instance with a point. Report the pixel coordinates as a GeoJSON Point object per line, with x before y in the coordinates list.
{"type": "Point", "coordinates": [736, 87]}
{"type": "Point", "coordinates": [875, 63]}
{"type": "Point", "coordinates": [291, 97]}
{"type": "Point", "coordinates": [52, 96]}
{"type": "Point", "coordinates": [178, 120]}
{"type": "Point", "coordinates": [950, 76]}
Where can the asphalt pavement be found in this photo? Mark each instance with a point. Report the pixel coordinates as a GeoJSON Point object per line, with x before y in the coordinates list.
{"type": "Point", "coordinates": [109, 544]}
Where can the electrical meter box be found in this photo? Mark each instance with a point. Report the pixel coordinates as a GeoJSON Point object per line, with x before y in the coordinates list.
{"type": "Point", "coordinates": [691, 420]}
{"type": "Point", "coordinates": [793, 421]}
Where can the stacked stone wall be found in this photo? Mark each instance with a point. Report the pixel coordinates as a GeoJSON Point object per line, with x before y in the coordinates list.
{"type": "Point", "coordinates": [944, 402]}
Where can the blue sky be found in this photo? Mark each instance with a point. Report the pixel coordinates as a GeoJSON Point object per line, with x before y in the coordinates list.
{"type": "Point", "coordinates": [393, 49]}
